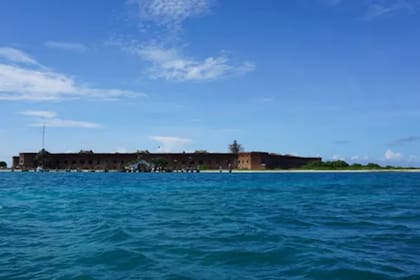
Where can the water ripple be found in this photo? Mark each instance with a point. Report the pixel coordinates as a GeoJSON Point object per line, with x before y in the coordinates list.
{"type": "Point", "coordinates": [209, 226]}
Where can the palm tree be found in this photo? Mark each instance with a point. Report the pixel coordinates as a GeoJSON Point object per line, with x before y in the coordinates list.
{"type": "Point", "coordinates": [235, 147]}
{"type": "Point", "coordinates": [43, 158]}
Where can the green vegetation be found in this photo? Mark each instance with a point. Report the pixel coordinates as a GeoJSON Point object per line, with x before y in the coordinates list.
{"type": "Point", "coordinates": [204, 167]}
{"type": "Point", "coordinates": [86, 152]}
{"type": "Point", "coordinates": [159, 163]}
{"type": "Point", "coordinates": [3, 164]}
{"type": "Point", "coordinates": [43, 158]}
{"type": "Point", "coordinates": [235, 147]}
{"type": "Point", "coordinates": [342, 165]}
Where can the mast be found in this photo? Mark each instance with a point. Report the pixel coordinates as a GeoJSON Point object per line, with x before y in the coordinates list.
{"type": "Point", "coordinates": [43, 136]}
{"type": "Point", "coordinates": [43, 146]}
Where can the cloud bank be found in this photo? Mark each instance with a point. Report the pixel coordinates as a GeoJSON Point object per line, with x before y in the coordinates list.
{"type": "Point", "coordinates": [50, 119]}
{"type": "Point", "coordinates": [170, 143]}
{"type": "Point", "coordinates": [22, 78]}
{"type": "Point", "coordinates": [391, 155]}
{"type": "Point", "coordinates": [374, 9]}
{"type": "Point", "coordinates": [170, 13]}
{"type": "Point", "coordinates": [170, 64]}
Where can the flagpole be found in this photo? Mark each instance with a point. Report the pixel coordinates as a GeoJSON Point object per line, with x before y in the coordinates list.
{"type": "Point", "coordinates": [43, 136]}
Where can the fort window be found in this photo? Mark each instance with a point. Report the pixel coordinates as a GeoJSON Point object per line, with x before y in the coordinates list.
{"type": "Point", "coordinates": [82, 161]}
{"type": "Point", "coordinates": [73, 162]}
{"type": "Point", "coordinates": [90, 162]}
{"type": "Point", "coordinates": [66, 161]}
{"type": "Point", "coordinates": [98, 162]}
{"type": "Point", "coordinates": [200, 162]}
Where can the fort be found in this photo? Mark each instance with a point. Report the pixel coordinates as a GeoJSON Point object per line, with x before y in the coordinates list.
{"type": "Point", "coordinates": [143, 161]}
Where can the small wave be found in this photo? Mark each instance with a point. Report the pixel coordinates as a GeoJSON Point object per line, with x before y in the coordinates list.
{"type": "Point", "coordinates": [118, 258]}
{"type": "Point", "coordinates": [347, 273]}
{"type": "Point", "coordinates": [247, 226]}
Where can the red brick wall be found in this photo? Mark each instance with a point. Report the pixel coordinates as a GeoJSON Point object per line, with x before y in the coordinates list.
{"type": "Point", "coordinates": [116, 161]}
{"type": "Point", "coordinates": [119, 161]}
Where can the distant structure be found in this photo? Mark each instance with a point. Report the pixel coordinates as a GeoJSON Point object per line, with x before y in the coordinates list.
{"type": "Point", "coordinates": [88, 160]}
{"type": "Point", "coordinates": [235, 147]}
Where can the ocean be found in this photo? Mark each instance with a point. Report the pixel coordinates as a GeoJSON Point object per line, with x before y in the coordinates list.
{"type": "Point", "coordinates": [209, 226]}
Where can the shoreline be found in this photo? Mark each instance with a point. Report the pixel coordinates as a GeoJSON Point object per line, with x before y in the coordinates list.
{"type": "Point", "coordinates": [233, 171]}
{"type": "Point", "coordinates": [315, 171]}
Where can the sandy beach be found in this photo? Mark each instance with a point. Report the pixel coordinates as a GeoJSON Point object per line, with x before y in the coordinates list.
{"type": "Point", "coordinates": [243, 171]}
{"type": "Point", "coordinates": [312, 171]}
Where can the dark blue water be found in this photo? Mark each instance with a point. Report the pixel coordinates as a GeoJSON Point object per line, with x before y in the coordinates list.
{"type": "Point", "coordinates": [209, 226]}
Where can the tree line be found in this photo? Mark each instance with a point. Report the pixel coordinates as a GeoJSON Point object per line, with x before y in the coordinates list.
{"type": "Point", "coordinates": [342, 165]}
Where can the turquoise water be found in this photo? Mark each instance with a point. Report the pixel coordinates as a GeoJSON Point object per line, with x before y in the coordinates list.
{"type": "Point", "coordinates": [209, 226]}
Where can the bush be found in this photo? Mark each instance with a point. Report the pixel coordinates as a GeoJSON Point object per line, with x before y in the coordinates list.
{"type": "Point", "coordinates": [356, 166]}
{"type": "Point", "coordinates": [373, 166]}
{"type": "Point", "coordinates": [204, 167]}
{"type": "Point", "coordinates": [342, 165]}
{"type": "Point", "coordinates": [338, 164]}
{"type": "Point", "coordinates": [327, 165]}
{"type": "Point", "coordinates": [159, 162]}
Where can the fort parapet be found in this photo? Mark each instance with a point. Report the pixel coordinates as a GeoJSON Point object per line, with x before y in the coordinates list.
{"type": "Point", "coordinates": [173, 161]}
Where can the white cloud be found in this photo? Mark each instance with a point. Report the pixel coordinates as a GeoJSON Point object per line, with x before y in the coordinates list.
{"type": "Point", "coordinates": [358, 157]}
{"type": "Point", "coordinates": [378, 8]}
{"type": "Point", "coordinates": [40, 84]}
{"type": "Point", "coordinates": [40, 114]}
{"type": "Point", "coordinates": [169, 143]}
{"type": "Point", "coordinates": [337, 157]}
{"type": "Point", "coordinates": [381, 8]}
{"type": "Point", "coordinates": [169, 64]}
{"type": "Point", "coordinates": [121, 150]}
{"type": "Point", "coordinates": [14, 55]}
{"type": "Point", "coordinates": [68, 46]}
{"type": "Point", "coordinates": [50, 119]}
{"type": "Point", "coordinates": [390, 155]}
{"type": "Point", "coordinates": [56, 122]}
{"type": "Point", "coordinates": [170, 13]}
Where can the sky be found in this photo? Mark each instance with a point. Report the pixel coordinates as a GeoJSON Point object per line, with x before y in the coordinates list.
{"type": "Point", "coordinates": [332, 78]}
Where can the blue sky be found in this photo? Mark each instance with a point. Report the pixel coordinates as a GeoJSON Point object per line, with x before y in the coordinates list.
{"type": "Point", "coordinates": [331, 78]}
